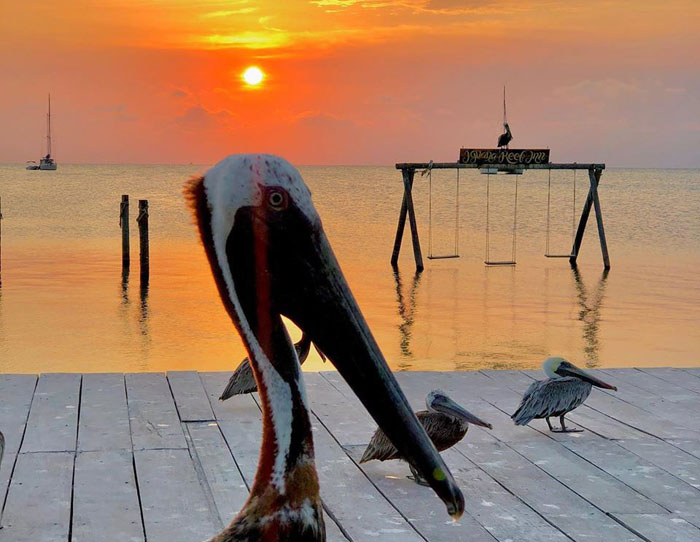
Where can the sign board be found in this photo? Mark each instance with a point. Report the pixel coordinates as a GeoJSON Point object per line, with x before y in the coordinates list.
{"type": "Point", "coordinates": [514, 157]}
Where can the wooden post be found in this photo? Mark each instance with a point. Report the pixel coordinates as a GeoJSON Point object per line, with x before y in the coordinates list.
{"type": "Point", "coordinates": [124, 225]}
{"type": "Point", "coordinates": [407, 208]}
{"type": "Point", "coordinates": [142, 221]}
{"type": "Point", "coordinates": [595, 179]}
{"type": "Point", "coordinates": [592, 200]}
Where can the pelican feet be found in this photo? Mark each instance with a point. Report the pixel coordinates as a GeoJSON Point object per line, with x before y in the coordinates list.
{"type": "Point", "coordinates": [563, 429]}
{"type": "Point", "coordinates": [417, 478]}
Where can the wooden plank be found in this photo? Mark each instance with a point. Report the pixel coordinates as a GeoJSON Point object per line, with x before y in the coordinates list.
{"type": "Point", "coordinates": [39, 501]}
{"type": "Point", "coordinates": [408, 186]}
{"type": "Point", "coordinates": [228, 488]}
{"type": "Point", "coordinates": [661, 527]}
{"type": "Point", "coordinates": [53, 419]}
{"type": "Point", "coordinates": [368, 514]}
{"type": "Point", "coordinates": [675, 376]}
{"type": "Point", "coordinates": [190, 398]}
{"type": "Point", "coordinates": [104, 416]}
{"type": "Point", "coordinates": [175, 508]}
{"type": "Point", "coordinates": [152, 413]}
{"type": "Point", "coordinates": [105, 499]}
{"type": "Point", "coordinates": [16, 392]}
{"type": "Point", "coordinates": [658, 485]}
{"type": "Point", "coordinates": [645, 381]}
{"type": "Point", "coordinates": [668, 403]}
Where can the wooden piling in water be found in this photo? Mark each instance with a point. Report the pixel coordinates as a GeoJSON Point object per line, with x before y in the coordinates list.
{"type": "Point", "coordinates": [142, 220]}
{"type": "Point", "coordinates": [124, 225]}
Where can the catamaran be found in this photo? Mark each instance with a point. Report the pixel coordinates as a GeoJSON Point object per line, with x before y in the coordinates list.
{"type": "Point", "coordinates": [46, 162]}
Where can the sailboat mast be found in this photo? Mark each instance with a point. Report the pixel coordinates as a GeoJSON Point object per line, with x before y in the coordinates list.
{"type": "Point", "coordinates": [504, 105]}
{"type": "Point", "coordinates": [48, 129]}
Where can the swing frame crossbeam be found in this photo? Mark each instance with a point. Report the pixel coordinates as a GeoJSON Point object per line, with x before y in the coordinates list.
{"type": "Point", "coordinates": [408, 170]}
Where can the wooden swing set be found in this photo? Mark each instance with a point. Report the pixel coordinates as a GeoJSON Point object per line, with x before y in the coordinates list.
{"type": "Point", "coordinates": [491, 162]}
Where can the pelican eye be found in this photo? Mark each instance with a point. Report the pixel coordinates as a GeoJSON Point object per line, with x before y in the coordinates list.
{"type": "Point", "coordinates": [277, 200]}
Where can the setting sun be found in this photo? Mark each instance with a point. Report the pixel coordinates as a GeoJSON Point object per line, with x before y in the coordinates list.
{"type": "Point", "coordinates": [253, 76]}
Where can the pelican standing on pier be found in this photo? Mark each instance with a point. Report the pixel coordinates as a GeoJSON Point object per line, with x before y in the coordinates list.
{"type": "Point", "coordinates": [566, 389]}
{"type": "Point", "coordinates": [242, 380]}
{"type": "Point", "coordinates": [445, 421]}
{"type": "Point", "coordinates": [270, 257]}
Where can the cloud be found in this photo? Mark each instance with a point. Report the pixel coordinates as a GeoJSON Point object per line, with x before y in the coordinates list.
{"type": "Point", "coordinates": [318, 119]}
{"type": "Point", "coordinates": [601, 90]}
{"type": "Point", "coordinates": [198, 116]}
{"type": "Point", "coordinates": [179, 93]}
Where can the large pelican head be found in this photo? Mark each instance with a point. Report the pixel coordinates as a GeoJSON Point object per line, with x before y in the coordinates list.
{"type": "Point", "coordinates": [556, 367]}
{"type": "Point", "coordinates": [438, 401]}
{"type": "Point", "coordinates": [270, 257]}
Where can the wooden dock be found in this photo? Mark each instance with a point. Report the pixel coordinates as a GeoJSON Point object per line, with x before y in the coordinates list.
{"type": "Point", "coordinates": [157, 458]}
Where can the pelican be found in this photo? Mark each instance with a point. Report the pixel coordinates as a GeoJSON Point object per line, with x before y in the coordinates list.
{"type": "Point", "coordinates": [270, 257]}
{"type": "Point", "coordinates": [445, 421]}
{"type": "Point", "coordinates": [242, 380]}
{"type": "Point", "coordinates": [566, 389]}
{"type": "Point", "coordinates": [505, 137]}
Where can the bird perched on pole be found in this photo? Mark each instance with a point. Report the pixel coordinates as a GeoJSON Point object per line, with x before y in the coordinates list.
{"type": "Point", "coordinates": [566, 389]}
{"type": "Point", "coordinates": [507, 136]}
{"type": "Point", "coordinates": [445, 421]}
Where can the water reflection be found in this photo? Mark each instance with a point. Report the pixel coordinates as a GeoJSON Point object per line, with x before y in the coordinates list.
{"type": "Point", "coordinates": [407, 311]}
{"type": "Point", "coordinates": [590, 303]}
{"type": "Point", "coordinates": [143, 315]}
{"type": "Point", "coordinates": [125, 286]}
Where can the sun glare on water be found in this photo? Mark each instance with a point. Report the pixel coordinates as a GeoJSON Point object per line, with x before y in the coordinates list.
{"type": "Point", "coordinates": [253, 76]}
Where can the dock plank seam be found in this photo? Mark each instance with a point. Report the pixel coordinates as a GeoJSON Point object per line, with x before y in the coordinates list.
{"type": "Point", "coordinates": [516, 496]}
{"type": "Point", "coordinates": [408, 521]}
{"type": "Point", "coordinates": [693, 377]}
{"type": "Point", "coordinates": [203, 482]}
{"type": "Point", "coordinates": [223, 435]}
{"type": "Point", "coordinates": [133, 462]}
{"type": "Point", "coordinates": [75, 455]}
{"type": "Point", "coordinates": [21, 441]}
{"type": "Point", "coordinates": [586, 461]}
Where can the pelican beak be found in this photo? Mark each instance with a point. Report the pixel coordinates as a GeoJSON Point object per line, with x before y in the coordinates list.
{"type": "Point", "coordinates": [451, 408]}
{"type": "Point", "coordinates": [308, 287]}
{"type": "Point", "coordinates": [572, 370]}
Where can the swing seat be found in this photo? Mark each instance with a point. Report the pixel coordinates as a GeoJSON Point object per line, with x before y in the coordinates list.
{"type": "Point", "coordinates": [558, 255]}
{"type": "Point", "coordinates": [442, 257]}
{"type": "Point", "coordinates": [510, 262]}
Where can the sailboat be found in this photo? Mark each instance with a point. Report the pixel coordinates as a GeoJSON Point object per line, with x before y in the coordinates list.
{"type": "Point", "coordinates": [46, 162]}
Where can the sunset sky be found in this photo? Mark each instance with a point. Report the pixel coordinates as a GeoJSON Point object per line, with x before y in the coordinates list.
{"type": "Point", "coordinates": [350, 81]}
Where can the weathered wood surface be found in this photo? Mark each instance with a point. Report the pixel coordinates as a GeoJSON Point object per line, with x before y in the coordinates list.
{"type": "Point", "coordinates": [105, 499]}
{"type": "Point", "coordinates": [157, 457]}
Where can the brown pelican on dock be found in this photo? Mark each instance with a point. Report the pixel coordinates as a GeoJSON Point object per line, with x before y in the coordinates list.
{"type": "Point", "coordinates": [270, 257]}
{"type": "Point", "coordinates": [566, 389]}
{"type": "Point", "coordinates": [242, 380]}
{"type": "Point", "coordinates": [445, 421]}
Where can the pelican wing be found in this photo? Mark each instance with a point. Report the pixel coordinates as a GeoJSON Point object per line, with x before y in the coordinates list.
{"type": "Point", "coordinates": [551, 397]}
{"type": "Point", "coordinates": [381, 448]}
{"type": "Point", "coordinates": [241, 381]}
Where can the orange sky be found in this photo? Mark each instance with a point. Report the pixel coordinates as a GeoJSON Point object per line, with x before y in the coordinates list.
{"type": "Point", "coordinates": [350, 81]}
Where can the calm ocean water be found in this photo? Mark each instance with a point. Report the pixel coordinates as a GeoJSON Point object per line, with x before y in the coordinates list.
{"type": "Point", "coordinates": [64, 305]}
